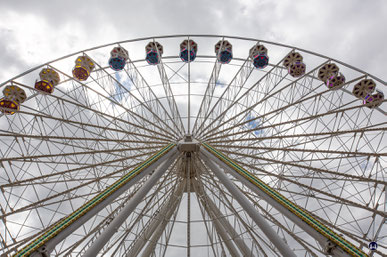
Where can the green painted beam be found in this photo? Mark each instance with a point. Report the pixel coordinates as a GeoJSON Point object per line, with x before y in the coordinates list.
{"type": "Point", "coordinates": [298, 211]}
{"type": "Point", "coordinates": [62, 224]}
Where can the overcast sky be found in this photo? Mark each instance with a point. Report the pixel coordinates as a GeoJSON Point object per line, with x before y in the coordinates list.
{"type": "Point", "coordinates": [352, 31]}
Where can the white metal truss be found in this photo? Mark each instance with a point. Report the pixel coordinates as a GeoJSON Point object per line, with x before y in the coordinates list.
{"type": "Point", "coordinates": [193, 159]}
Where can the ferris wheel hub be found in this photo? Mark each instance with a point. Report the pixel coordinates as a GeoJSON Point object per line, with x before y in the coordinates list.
{"type": "Point", "coordinates": [188, 144]}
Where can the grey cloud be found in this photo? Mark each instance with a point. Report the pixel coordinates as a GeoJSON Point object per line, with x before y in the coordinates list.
{"type": "Point", "coordinates": [10, 59]}
{"type": "Point", "coordinates": [351, 31]}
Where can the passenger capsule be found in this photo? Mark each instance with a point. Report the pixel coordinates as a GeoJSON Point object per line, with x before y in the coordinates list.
{"type": "Point", "coordinates": [374, 100]}
{"type": "Point", "coordinates": [336, 81]}
{"type": "Point", "coordinates": [83, 67]}
{"type": "Point", "coordinates": [188, 50]}
{"type": "Point", "coordinates": [327, 71]}
{"type": "Point", "coordinates": [154, 52]}
{"type": "Point", "coordinates": [223, 50]}
{"type": "Point", "coordinates": [297, 69]}
{"type": "Point", "coordinates": [292, 58]}
{"type": "Point", "coordinates": [49, 78]}
{"type": "Point", "coordinates": [13, 97]}
{"type": "Point", "coordinates": [118, 58]}
{"type": "Point", "coordinates": [363, 88]}
{"type": "Point", "coordinates": [293, 62]}
{"type": "Point", "coordinates": [258, 54]}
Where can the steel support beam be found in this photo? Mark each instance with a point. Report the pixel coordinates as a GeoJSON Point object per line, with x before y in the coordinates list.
{"type": "Point", "coordinates": [329, 246]}
{"type": "Point", "coordinates": [160, 223]}
{"type": "Point", "coordinates": [225, 237]}
{"type": "Point", "coordinates": [283, 248]}
{"type": "Point", "coordinates": [156, 222]}
{"type": "Point", "coordinates": [214, 212]}
{"type": "Point", "coordinates": [220, 230]}
{"type": "Point", "coordinates": [45, 243]}
{"type": "Point", "coordinates": [188, 190]}
{"type": "Point", "coordinates": [127, 210]}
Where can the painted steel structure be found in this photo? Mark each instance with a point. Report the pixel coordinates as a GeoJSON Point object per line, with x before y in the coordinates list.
{"type": "Point", "coordinates": [194, 158]}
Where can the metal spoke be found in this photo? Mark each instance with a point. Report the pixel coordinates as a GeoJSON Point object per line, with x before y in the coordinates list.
{"type": "Point", "coordinates": [139, 119]}
{"type": "Point", "coordinates": [232, 90]}
{"type": "Point", "coordinates": [169, 95]}
{"type": "Point", "coordinates": [208, 96]}
{"type": "Point", "coordinates": [147, 93]}
{"type": "Point", "coordinates": [220, 155]}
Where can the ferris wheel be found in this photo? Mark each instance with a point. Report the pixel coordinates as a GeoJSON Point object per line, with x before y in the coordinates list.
{"type": "Point", "coordinates": [193, 145]}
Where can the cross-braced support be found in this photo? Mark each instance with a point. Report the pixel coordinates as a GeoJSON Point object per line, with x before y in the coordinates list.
{"type": "Point", "coordinates": [127, 210]}
{"type": "Point", "coordinates": [249, 208]}
{"type": "Point", "coordinates": [331, 242]}
{"type": "Point", "coordinates": [45, 243]}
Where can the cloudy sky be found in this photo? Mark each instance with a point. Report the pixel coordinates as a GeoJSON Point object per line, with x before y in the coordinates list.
{"type": "Point", "coordinates": [352, 31]}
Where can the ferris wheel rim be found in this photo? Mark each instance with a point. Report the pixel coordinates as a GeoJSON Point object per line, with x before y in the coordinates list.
{"type": "Point", "coordinates": [196, 35]}
{"type": "Point", "coordinates": [242, 104]}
